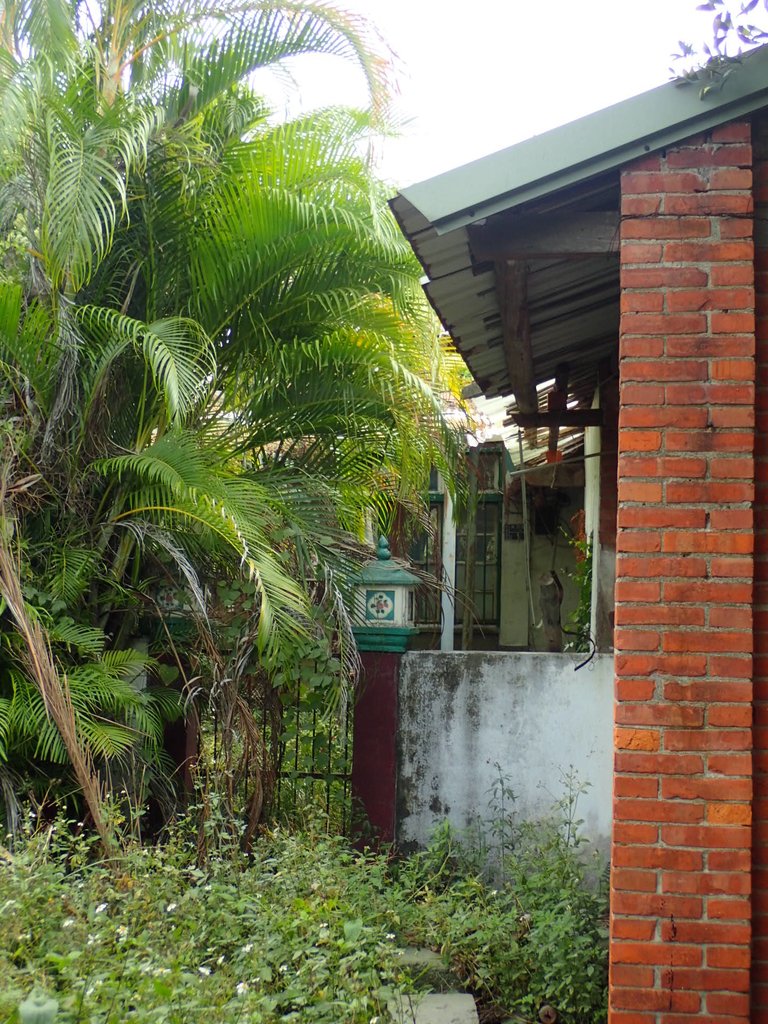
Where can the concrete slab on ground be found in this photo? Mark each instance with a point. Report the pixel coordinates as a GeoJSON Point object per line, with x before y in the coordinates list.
{"type": "Point", "coordinates": [428, 970]}
{"type": "Point", "coordinates": [421, 958]}
{"type": "Point", "coordinates": [435, 1008]}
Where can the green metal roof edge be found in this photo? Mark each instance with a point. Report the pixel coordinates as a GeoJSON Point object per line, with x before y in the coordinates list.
{"type": "Point", "coordinates": [589, 146]}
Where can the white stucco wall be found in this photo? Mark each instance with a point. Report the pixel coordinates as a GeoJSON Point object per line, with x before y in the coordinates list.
{"type": "Point", "coordinates": [463, 713]}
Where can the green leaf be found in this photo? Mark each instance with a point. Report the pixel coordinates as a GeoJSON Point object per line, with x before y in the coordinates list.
{"type": "Point", "coordinates": [353, 929]}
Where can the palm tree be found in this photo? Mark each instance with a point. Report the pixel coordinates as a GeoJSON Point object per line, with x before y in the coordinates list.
{"type": "Point", "coordinates": [216, 353]}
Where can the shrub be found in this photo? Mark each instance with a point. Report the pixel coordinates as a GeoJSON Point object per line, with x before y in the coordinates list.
{"type": "Point", "coordinates": [302, 931]}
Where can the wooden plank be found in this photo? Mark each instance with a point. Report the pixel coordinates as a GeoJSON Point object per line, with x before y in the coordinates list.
{"type": "Point", "coordinates": [556, 474]}
{"type": "Point", "coordinates": [557, 401]}
{"type": "Point", "coordinates": [512, 285]}
{"type": "Point", "coordinates": [550, 235]}
{"type": "Point", "coordinates": [568, 418]}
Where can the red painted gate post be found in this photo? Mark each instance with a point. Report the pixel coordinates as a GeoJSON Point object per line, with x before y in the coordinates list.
{"type": "Point", "coordinates": [374, 752]}
{"type": "Point", "coordinates": [385, 613]}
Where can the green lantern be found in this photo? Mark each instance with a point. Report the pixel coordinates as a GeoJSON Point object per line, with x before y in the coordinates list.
{"type": "Point", "coordinates": [385, 602]}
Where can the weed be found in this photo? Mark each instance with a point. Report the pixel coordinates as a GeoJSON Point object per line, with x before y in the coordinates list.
{"type": "Point", "coordinates": [540, 936]}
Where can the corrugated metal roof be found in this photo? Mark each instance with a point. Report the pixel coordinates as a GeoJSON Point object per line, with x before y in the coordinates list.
{"type": "Point", "coordinates": [573, 304]}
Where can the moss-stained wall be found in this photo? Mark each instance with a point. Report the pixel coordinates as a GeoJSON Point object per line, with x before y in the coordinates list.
{"type": "Point", "coordinates": [462, 714]}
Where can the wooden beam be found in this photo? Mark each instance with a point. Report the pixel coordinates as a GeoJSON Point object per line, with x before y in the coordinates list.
{"type": "Point", "coordinates": [550, 235]}
{"type": "Point", "coordinates": [557, 401]}
{"type": "Point", "coordinates": [512, 286]}
{"type": "Point", "coordinates": [556, 474]}
{"type": "Point", "coordinates": [568, 418]}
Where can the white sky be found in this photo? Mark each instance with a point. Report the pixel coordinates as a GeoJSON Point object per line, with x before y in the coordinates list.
{"type": "Point", "coordinates": [478, 75]}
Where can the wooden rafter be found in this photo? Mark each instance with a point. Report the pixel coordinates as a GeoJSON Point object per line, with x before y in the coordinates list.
{"type": "Point", "coordinates": [512, 285]}
{"type": "Point", "coordinates": [557, 401]}
{"type": "Point", "coordinates": [551, 235]}
{"type": "Point", "coordinates": [566, 418]}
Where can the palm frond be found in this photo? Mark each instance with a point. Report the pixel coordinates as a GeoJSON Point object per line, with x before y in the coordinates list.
{"type": "Point", "coordinates": [180, 354]}
{"type": "Point", "coordinates": [82, 199]}
{"type": "Point", "coordinates": [87, 640]}
{"type": "Point", "coordinates": [46, 27]}
{"type": "Point", "coordinates": [5, 726]}
{"type": "Point", "coordinates": [72, 569]}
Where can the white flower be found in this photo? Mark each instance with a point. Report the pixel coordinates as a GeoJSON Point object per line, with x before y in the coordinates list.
{"type": "Point", "coordinates": [283, 968]}
{"type": "Point", "coordinates": [122, 932]}
{"type": "Point", "coordinates": [101, 908]}
{"type": "Point", "coordinates": [374, 1020]}
{"type": "Point", "coordinates": [248, 947]}
{"type": "Point", "coordinates": [205, 971]}
{"type": "Point", "coordinates": [220, 961]}
{"type": "Point", "coordinates": [171, 907]}
{"type": "Point", "coordinates": [68, 923]}
{"type": "Point", "coordinates": [242, 988]}
{"type": "Point", "coordinates": [391, 936]}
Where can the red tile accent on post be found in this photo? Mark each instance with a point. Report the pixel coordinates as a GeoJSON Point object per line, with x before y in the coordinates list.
{"type": "Point", "coordinates": [760, 804]}
{"type": "Point", "coordinates": [680, 904]}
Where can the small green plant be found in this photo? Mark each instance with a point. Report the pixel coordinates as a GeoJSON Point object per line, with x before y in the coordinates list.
{"type": "Point", "coordinates": [501, 825]}
{"type": "Point", "coordinates": [580, 620]}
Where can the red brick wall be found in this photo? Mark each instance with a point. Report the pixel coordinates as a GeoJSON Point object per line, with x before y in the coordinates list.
{"type": "Point", "coordinates": [760, 804]}
{"type": "Point", "coordinates": [680, 927]}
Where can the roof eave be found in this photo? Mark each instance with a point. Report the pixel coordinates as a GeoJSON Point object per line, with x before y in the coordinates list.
{"type": "Point", "coordinates": [592, 145]}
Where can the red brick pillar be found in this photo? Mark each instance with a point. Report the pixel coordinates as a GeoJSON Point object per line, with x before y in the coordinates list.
{"type": "Point", "coordinates": [680, 925]}
{"type": "Point", "coordinates": [760, 803]}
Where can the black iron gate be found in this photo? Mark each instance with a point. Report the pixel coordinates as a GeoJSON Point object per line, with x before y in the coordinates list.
{"type": "Point", "coordinates": [315, 760]}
